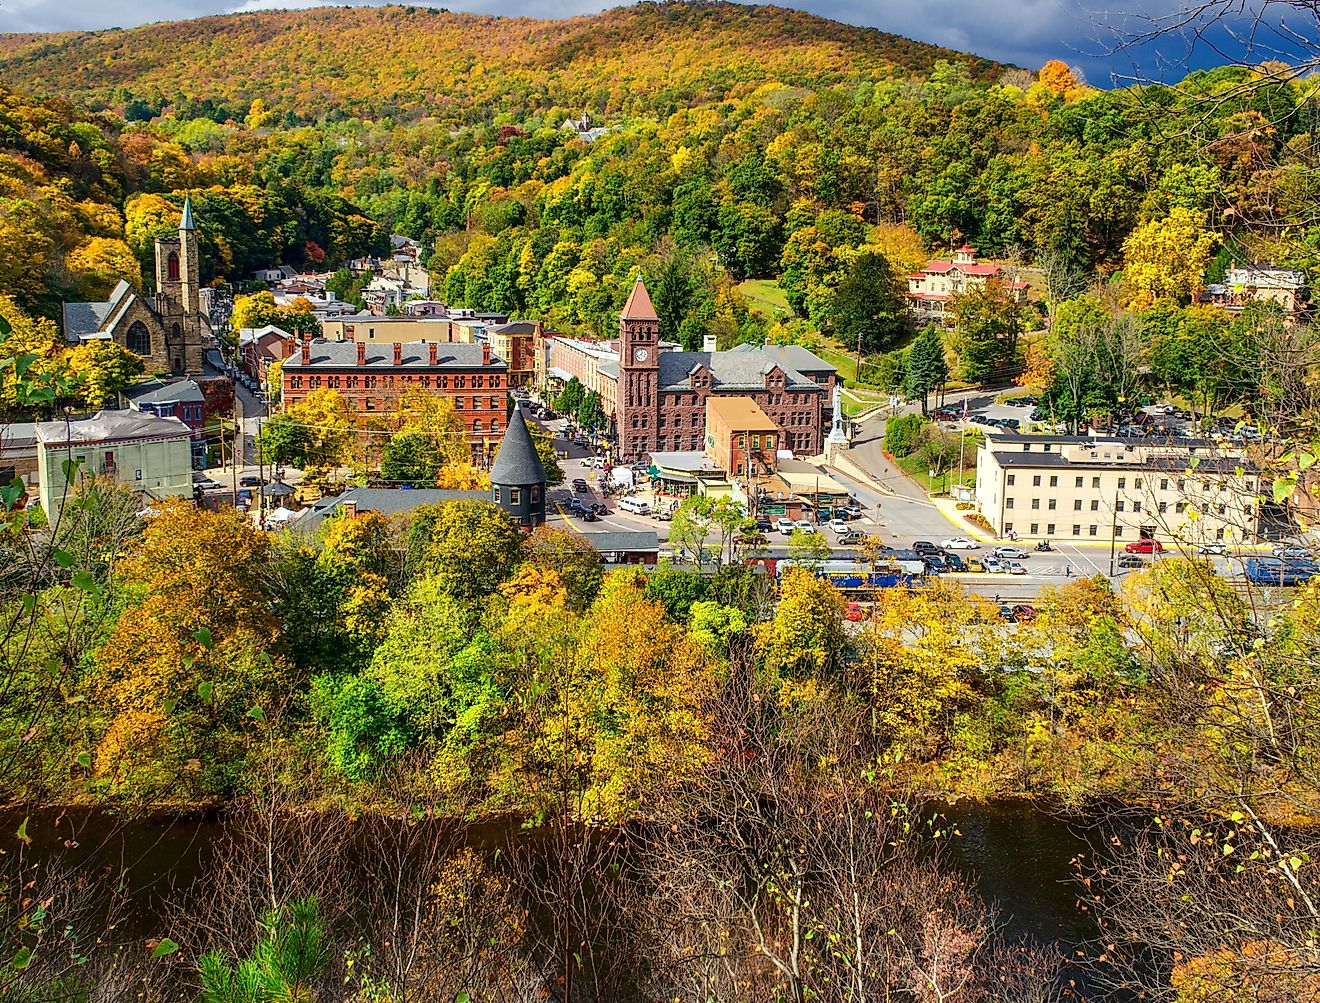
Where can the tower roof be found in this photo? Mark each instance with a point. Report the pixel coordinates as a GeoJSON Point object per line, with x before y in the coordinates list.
{"type": "Point", "coordinates": [517, 463]}
{"type": "Point", "coordinates": [187, 222]}
{"type": "Point", "coordinates": [639, 306]}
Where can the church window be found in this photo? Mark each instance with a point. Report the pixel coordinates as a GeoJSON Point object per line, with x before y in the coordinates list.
{"type": "Point", "coordinates": [139, 339]}
{"type": "Point", "coordinates": [172, 266]}
{"type": "Point", "coordinates": [176, 332]}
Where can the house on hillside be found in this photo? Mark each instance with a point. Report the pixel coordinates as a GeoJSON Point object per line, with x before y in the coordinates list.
{"type": "Point", "coordinates": [1259, 284]}
{"type": "Point", "coordinates": [931, 289]}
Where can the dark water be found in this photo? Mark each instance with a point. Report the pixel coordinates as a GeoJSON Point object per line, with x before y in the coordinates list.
{"type": "Point", "coordinates": [1017, 854]}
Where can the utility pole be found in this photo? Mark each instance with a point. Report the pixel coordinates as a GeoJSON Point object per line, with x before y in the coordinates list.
{"type": "Point", "coordinates": [261, 476]}
{"type": "Point", "coordinates": [1113, 539]}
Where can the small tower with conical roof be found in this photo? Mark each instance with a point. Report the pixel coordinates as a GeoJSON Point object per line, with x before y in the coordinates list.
{"type": "Point", "coordinates": [517, 477]}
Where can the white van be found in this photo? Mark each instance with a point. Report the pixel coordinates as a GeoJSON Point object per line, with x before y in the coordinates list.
{"type": "Point", "coordinates": [634, 505]}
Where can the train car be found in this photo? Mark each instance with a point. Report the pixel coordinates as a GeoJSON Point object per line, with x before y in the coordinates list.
{"type": "Point", "coordinates": [1280, 571]}
{"type": "Point", "coordinates": [852, 576]}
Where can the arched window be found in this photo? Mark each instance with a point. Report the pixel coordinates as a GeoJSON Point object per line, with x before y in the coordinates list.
{"type": "Point", "coordinates": [176, 334]}
{"type": "Point", "coordinates": [172, 266]}
{"type": "Point", "coordinates": [139, 339]}
{"type": "Point", "coordinates": [476, 425]}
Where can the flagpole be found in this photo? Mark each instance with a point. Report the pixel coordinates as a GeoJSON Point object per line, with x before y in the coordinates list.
{"type": "Point", "coordinates": [962, 446]}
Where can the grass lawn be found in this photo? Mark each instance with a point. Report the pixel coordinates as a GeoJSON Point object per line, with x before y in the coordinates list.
{"type": "Point", "coordinates": [765, 297]}
{"type": "Point", "coordinates": [915, 466]}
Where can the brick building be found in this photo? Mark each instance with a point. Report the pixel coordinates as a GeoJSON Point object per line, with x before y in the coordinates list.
{"type": "Point", "coordinates": [662, 395]}
{"type": "Point", "coordinates": [373, 377]}
{"type": "Point", "coordinates": [740, 437]}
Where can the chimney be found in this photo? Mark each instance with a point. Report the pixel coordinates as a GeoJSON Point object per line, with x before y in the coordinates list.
{"type": "Point", "coordinates": [435, 353]}
{"type": "Point", "coordinates": [362, 355]}
{"type": "Point", "coordinates": [398, 354]}
{"type": "Point", "coordinates": [350, 509]}
{"type": "Point", "coordinates": [290, 346]}
{"type": "Point", "coordinates": [708, 343]}
{"type": "Point", "coordinates": [485, 353]}
{"type": "Point", "coordinates": [307, 350]}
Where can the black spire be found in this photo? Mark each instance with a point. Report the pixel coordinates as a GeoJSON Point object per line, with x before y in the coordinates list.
{"type": "Point", "coordinates": [517, 464]}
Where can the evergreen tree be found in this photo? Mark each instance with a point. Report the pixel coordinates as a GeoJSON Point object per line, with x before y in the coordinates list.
{"type": "Point", "coordinates": [927, 368]}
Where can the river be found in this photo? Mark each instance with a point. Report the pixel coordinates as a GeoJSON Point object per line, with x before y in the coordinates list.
{"type": "Point", "coordinates": [1018, 855]}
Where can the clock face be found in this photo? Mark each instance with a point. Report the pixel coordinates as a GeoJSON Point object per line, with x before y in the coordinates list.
{"type": "Point", "coordinates": [641, 355]}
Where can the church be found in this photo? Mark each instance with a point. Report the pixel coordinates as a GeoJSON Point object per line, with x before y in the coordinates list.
{"type": "Point", "coordinates": [167, 330]}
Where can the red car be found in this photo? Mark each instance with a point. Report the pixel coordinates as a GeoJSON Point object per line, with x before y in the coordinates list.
{"type": "Point", "coordinates": [855, 612]}
{"type": "Point", "coordinates": [1145, 547]}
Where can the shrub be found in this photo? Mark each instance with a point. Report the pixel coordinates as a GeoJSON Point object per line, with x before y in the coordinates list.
{"type": "Point", "coordinates": [903, 434]}
{"type": "Point", "coordinates": [977, 519]}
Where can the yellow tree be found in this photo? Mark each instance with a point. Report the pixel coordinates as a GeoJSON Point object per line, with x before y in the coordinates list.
{"type": "Point", "coordinates": [921, 649]}
{"type": "Point", "coordinates": [101, 262]}
{"type": "Point", "coordinates": [806, 634]}
{"type": "Point", "coordinates": [194, 652]}
{"type": "Point", "coordinates": [102, 369]}
{"type": "Point", "coordinates": [35, 336]}
{"type": "Point", "coordinates": [1165, 259]}
{"type": "Point", "coordinates": [331, 433]}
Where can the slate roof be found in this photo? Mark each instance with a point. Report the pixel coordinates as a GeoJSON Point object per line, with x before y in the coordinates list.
{"type": "Point", "coordinates": [639, 306]}
{"type": "Point", "coordinates": [186, 223]}
{"type": "Point", "coordinates": [175, 392]}
{"type": "Point", "coordinates": [730, 370]}
{"type": "Point", "coordinates": [386, 501]}
{"type": "Point", "coordinates": [517, 463]}
{"type": "Point", "coordinates": [108, 426]}
{"type": "Point", "coordinates": [789, 357]}
{"type": "Point", "coordinates": [515, 327]}
{"type": "Point", "coordinates": [83, 319]}
{"type": "Point", "coordinates": [343, 355]}
{"type": "Point", "coordinates": [614, 541]}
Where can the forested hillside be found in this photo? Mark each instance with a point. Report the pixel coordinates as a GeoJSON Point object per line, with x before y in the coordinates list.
{"type": "Point", "coordinates": [410, 62]}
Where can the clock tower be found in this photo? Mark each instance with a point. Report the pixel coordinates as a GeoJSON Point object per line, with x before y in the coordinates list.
{"type": "Point", "coordinates": [639, 373]}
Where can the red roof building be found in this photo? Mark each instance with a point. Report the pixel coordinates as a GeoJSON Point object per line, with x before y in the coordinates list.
{"type": "Point", "coordinates": [930, 290]}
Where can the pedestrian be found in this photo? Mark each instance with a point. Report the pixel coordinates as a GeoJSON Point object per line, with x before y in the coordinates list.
{"type": "Point", "coordinates": [996, 598]}
{"type": "Point", "coordinates": [1067, 571]}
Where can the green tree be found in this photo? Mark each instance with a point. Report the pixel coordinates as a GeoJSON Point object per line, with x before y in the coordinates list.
{"type": "Point", "coordinates": [869, 311]}
{"type": "Point", "coordinates": [927, 368]}
{"type": "Point", "coordinates": [468, 546]}
{"type": "Point", "coordinates": [806, 635]}
{"type": "Point", "coordinates": [412, 459]}
{"type": "Point", "coordinates": [289, 958]}
{"type": "Point", "coordinates": [808, 549]}
{"type": "Point", "coordinates": [987, 322]}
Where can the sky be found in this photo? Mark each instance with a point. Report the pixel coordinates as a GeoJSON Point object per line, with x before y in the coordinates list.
{"type": "Point", "coordinates": [1024, 32]}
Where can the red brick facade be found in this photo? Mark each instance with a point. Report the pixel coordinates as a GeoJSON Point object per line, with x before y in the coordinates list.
{"type": "Point", "coordinates": [373, 377]}
{"type": "Point", "coordinates": [662, 396]}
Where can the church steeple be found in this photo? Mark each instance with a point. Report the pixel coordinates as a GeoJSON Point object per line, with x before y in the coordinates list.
{"type": "Point", "coordinates": [187, 222]}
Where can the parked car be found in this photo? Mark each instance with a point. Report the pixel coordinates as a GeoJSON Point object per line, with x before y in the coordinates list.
{"type": "Point", "coordinates": [1015, 567]}
{"type": "Point", "coordinates": [960, 543]}
{"type": "Point", "coordinates": [205, 483]}
{"type": "Point", "coordinates": [850, 539]}
{"type": "Point", "coordinates": [1006, 612]}
{"type": "Point", "coordinates": [954, 562]}
{"type": "Point", "coordinates": [853, 511]}
{"type": "Point", "coordinates": [1217, 549]}
{"type": "Point", "coordinates": [250, 481]}
{"type": "Point", "coordinates": [1147, 546]}
{"type": "Point", "coordinates": [785, 525]}
{"type": "Point", "coordinates": [935, 565]}
{"type": "Point", "coordinates": [1013, 553]}
{"type": "Point", "coordinates": [575, 505]}
{"type": "Point", "coordinates": [975, 565]}
{"type": "Point", "coordinates": [1290, 550]}
{"type": "Point", "coordinates": [764, 525]}
{"type": "Point", "coordinates": [1131, 561]}
{"type": "Point", "coordinates": [855, 612]}
{"type": "Point", "coordinates": [838, 526]}
{"type": "Point", "coordinates": [805, 524]}
{"type": "Point", "coordinates": [991, 566]}
{"type": "Point", "coordinates": [1024, 613]}
{"type": "Point", "coordinates": [587, 515]}
{"type": "Point", "coordinates": [925, 547]}
{"type": "Point", "coordinates": [579, 484]}
{"type": "Point", "coordinates": [599, 508]}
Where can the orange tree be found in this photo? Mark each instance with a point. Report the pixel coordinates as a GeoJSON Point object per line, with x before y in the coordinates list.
{"type": "Point", "coordinates": [194, 660]}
